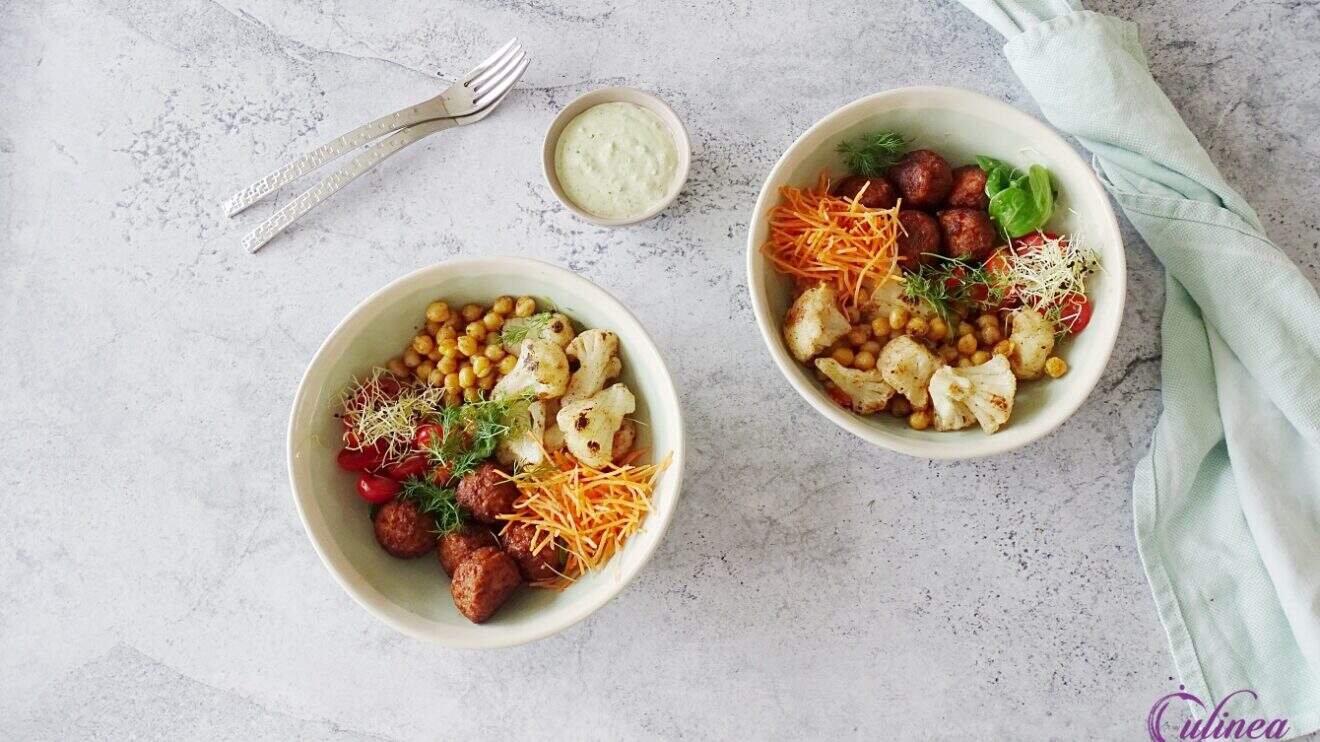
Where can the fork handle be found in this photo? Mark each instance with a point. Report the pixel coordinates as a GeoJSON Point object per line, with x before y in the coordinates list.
{"type": "Point", "coordinates": [332, 150]}
{"type": "Point", "coordinates": [309, 198]}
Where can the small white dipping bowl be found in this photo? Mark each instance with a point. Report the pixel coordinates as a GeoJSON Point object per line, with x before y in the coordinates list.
{"type": "Point", "coordinates": [413, 595]}
{"type": "Point", "coordinates": [958, 124]}
{"type": "Point", "coordinates": [682, 147]}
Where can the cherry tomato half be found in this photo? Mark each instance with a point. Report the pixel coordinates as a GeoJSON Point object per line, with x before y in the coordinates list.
{"type": "Point", "coordinates": [1027, 243]}
{"type": "Point", "coordinates": [376, 489]}
{"type": "Point", "coordinates": [1075, 312]}
{"type": "Point", "coordinates": [413, 466]}
{"type": "Point", "coordinates": [840, 397]}
{"type": "Point", "coordinates": [364, 460]}
{"type": "Point", "coordinates": [428, 435]}
{"type": "Point", "coordinates": [441, 475]}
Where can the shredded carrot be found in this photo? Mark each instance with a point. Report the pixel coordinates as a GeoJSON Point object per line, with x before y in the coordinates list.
{"type": "Point", "coordinates": [590, 513]}
{"type": "Point", "coordinates": [818, 237]}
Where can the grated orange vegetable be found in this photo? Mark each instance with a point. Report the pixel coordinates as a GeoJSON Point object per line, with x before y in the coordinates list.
{"type": "Point", "coordinates": [818, 237]}
{"type": "Point", "coordinates": [591, 513]}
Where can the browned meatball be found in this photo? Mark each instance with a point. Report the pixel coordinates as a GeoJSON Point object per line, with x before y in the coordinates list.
{"type": "Point", "coordinates": [517, 538]}
{"type": "Point", "coordinates": [969, 188]}
{"type": "Point", "coordinates": [454, 547]}
{"type": "Point", "coordinates": [923, 178]}
{"type": "Point", "coordinates": [403, 529]}
{"type": "Point", "coordinates": [482, 582]}
{"type": "Point", "coordinates": [919, 240]}
{"type": "Point", "coordinates": [879, 194]}
{"type": "Point", "coordinates": [968, 234]}
{"type": "Point", "coordinates": [487, 493]}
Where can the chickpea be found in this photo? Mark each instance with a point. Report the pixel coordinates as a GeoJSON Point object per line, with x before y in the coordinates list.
{"type": "Point", "coordinates": [437, 311]}
{"type": "Point", "coordinates": [424, 370]}
{"type": "Point", "coordinates": [432, 327]}
{"type": "Point", "coordinates": [436, 378]}
{"type": "Point", "coordinates": [447, 346]}
{"type": "Point", "coordinates": [899, 406]}
{"type": "Point", "coordinates": [471, 394]}
{"type": "Point", "coordinates": [435, 355]}
{"type": "Point", "coordinates": [964, 362]}
{"type": "Point", "coordinates": [985, 320]}
{"type": "Point", "coordinates": [481, 366]}
{"type": "Point", "coordinates": [492, 321]}
{"type": "Point", "coordinates": [864, 360]}
{"type": "Point", "coordinates": [1055, 367]}
{"type": "Point", "coordinates": [466, 345]}
{"type": "Point", "coordinates": [472, 312]}
{"type": "Point", "coordinates": [454, 322]}
{"type": "Point", "coordinates": [448, 363]}
{"type": "Point", "coordinates": [411, 358]}
{"type": "Point", "coordinates": [872, 347]}
{"type": "Point", "coordinates": [503, 306]}
{"type": "Point", "coordinates": [898, 318]}
{"type": "Point", "coordinates": [965, 328]}
{"type": "Point", "coordinates": [948, 353]}
{"type": "Point", "coordinates": [451, 383]}
{"type": "Point", "coordinates": [446, 333]}
{"type": "Point", "coordinates": [979, 357]}
{"type": "Point", "coordinates": [507, 364]}
{"type": "Point", "coordinates": [917, 326]}
{"type": "Point", "coordinates": [495, 352]}
{"type": "Point", "coordinates": [477, 330]}
{"type": "Point", "coordinates": [467, 378]}
{"type": "Point", "coordinates": [938, 330]}
{"type": "Point", "coordinates": [880, 327]}
{"type": "Point", "coordinates": [452, 398]}
{"type": "Point", "coordinates": [1004, 348]}
{"type": "Point", "coordinates": [859, 334]}
{"type": "Point", "coordinates": [843, 355]}
{"type": "Point", "coordinates": [525, 306]}
{"type": "Point", "coordinates": [423, 344]}
{"type": "Point", "coordinates": [967, 344]}
{"type": "Point", "coordinates": [397, 367]}
{"type": "Point", "coordinates": [486, 383]}
{"type": "Point", "coordinates": [919, 420]}
{"type": "Point", "coordinates": [990, 334]}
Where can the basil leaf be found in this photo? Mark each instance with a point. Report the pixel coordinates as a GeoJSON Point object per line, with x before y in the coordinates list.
{"type": "Point", "coordinates": [1042, 195]}
{"type": "Point", "coordinates": [1014, 211]}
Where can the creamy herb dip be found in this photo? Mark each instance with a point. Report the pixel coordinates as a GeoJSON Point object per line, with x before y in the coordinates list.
{"type": "Point", "coordinates": [616, 160]}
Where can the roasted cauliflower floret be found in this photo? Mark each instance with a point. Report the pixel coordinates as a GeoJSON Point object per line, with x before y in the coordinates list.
{"type": "Point", "coordinates": [523, 445]}
{"type": "Point", "coordinates": [589, 424]}
{"type": "Point", "coordinates": [542, 371]}
{"type": "Point", "coordinates": [624, 439]}
{"type": "Point", "coordinates": [867, 389]}
{"type": "Point", "coordinates": [553, 437]}
{"type": "Point", "coordinates": [551, 327]}
{"type": "Point", "coordinates": [984, 393]}
{"type": "Point", "coordinates": [907, 366]}
{"type": "Point", "coordinates": [1033, 339]}
{"type": "Point", "coordinates": [890, 296]}
{"type": "Point", "coordinates": [597, 354]}
{"type": "Point", "coordinates": [814, 322]}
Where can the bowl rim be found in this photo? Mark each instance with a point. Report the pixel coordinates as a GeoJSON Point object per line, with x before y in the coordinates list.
{"type": "Point", "coordinates": [408, 623]}
{"type": "Point", "coordinates": [617, 94]}
{"type": "Point", "coordinates": [1085, 380]}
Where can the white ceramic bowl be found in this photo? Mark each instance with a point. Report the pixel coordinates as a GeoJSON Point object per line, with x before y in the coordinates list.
{"type": "Point", "coordinates": [413, 596]}
{"type": "Point", "coordinates": [958, 124]}
{"type": "Point", "coordinates": [682, 145]}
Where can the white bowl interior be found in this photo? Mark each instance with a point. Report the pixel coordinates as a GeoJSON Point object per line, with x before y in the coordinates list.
{"type": "Point", "coordinates": [959, 125]}
{"type": "Point", "coordinates": [413, 595]}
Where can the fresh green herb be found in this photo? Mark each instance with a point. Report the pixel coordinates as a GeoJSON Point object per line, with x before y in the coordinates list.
{"type": "Point", "coordinates": [925, 286]}
{"type": "Point", "coordinates": [1020, 203]}
{"type": "Point", "coordinates": [474, 430]}
{"type": "Point", "coordinates": [522, 328]}
{"type": "Point", "coordinates": [949, 282]}
{"type": "Point", "coordinates": [870, 155]}
{"type": "Point", "coordinates": [440, 502]}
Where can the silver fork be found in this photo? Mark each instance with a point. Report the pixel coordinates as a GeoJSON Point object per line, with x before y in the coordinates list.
{"type": "Point", "coordinates": [465, 102]}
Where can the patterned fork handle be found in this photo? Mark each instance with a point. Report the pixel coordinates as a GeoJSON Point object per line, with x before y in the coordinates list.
{"type": "Point", "coordinates": [309, 198]}
{"type": "Point", "coordinates": [431, 109]}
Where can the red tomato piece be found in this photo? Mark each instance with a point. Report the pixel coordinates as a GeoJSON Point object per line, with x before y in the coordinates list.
{"type": "Point", "coordinates": [366, 459]}
{"type": "Point", "coordinates": [376, 489]}
{"type": "Point", "coordinates": [1074, 312]}
{"type": "Point", "coordinates": [413, 466]}
{"type": "Point", "coordinates": [428, 435]}
{"type": "Point", "coordinates": [840, 397]}
{"type": "Point", "coordinates": [441, 475]}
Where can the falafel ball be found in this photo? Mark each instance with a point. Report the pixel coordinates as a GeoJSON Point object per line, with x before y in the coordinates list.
{"type": "Point", "coordinates": [517, 538]}
{"type": "Point", "coordinates": [968, 189]}
{"type": "Point", "coordinates": [487, 493]}
{"type": "Point", "coordinates": [968, 234]}
{"type": "Point", "coordinates": [403, 529]}
{"type": "Point", "coordinates": [879, 194]}
{"type": "Point", "coordinates": [919, 240]}
{"type": "Point", "coordinates": [482, 582]}
{"type": "Point", "coordinates": [454, 547]}
{"type": "Point", "coordinates": [923, 178]}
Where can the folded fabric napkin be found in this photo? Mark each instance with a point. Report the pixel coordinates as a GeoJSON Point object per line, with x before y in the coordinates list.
{"type": "Point", "coordinates": [1227, 500]}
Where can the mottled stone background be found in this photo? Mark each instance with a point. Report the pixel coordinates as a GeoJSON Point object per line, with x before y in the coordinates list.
{"type": "Point", "coordinates": [154, 577]}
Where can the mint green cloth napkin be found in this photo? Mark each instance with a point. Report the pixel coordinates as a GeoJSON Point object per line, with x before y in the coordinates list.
{"type": "Point", "coordinates": [1227, 500]}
